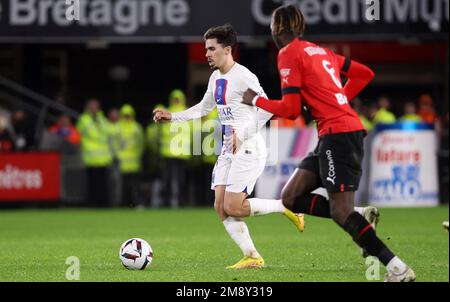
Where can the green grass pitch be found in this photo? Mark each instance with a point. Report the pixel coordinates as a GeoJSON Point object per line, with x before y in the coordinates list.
{"type": "Point", "coordinates": [192, 245]}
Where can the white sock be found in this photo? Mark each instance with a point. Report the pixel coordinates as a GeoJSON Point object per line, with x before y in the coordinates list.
{"type": "Point", "coordinates": [396, 265]}
{"type": "Point", "coordinates": [238, 231]}
{"type": "Point", "coordinates": [360, 210]}
{"type": "Point", "coordinates": [260, 206]}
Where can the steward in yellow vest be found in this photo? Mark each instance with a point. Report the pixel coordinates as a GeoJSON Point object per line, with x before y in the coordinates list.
{"type": "Point", "coordinates": [95, 152]}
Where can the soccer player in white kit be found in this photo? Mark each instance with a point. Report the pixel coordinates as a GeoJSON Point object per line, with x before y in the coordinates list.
{"type": "Point", "coordinates": [243, 156]}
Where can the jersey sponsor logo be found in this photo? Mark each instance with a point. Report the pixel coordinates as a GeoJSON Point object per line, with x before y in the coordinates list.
{"type": "Point", "coordinates": [341, 99]}
{"type": "Point", "coordinates": [225, 114]}
{"type": "Point", "coordinates": [331, 169]}
{"type": "Point", "coordinates": [285, 72]}
{"type": "Point", "coordinates": [221, 92]}
{"type": "Point", "coordinates": [313, 50]}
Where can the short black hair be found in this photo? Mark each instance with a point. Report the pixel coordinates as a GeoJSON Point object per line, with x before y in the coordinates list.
{"type": "Point", "coordinates": [288, 19]}
{"type": "Point", "coordinates": [225, 35]}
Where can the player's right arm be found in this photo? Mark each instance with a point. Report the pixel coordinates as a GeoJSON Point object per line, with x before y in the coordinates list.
{"type": "Point", "coordinates": [290, 105]}
{"type": "Point", "coordinates": [161, 115]}
{"type": "Point", "coordinates": [198, 111]}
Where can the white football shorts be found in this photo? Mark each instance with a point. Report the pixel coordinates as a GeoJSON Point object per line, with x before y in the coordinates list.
{"type": "Point", "coordinates": [238, 173]}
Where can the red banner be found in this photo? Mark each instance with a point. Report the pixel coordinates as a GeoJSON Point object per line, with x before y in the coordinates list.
{"type": "Point", "coordinates": [29, 177]}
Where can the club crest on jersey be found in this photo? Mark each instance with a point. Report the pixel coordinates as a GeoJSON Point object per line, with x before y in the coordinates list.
{"type": "Point", "coordinates": [285, 72]}
{"type": "Point", "coordinates": [221, 91]}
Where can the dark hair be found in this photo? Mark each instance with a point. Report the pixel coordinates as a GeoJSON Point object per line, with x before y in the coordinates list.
{"type": "Point", "coordinates": [225, 35]}
{"type": "Point", "coordinates": [288, 19]}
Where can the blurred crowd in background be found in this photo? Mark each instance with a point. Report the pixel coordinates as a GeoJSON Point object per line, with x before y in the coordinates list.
{"type": "Point", "coordinates": [129, 163]}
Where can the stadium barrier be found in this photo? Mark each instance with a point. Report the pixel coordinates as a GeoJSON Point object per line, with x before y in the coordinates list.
{"type": "Point", "coordinates": [30, 177]}
{"type": "Point", "coordinates": [55, 173]}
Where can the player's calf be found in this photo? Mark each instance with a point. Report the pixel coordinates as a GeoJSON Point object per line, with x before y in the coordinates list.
{"type": "Point", "coordinates": [364, 235]}
{"type": "Point", "coordinates": [311, 204]}
{"type": "Point", "coordinates": [341, 209]}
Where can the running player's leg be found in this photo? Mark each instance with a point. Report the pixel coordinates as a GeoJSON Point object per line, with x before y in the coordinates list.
{"type": "Point", "coordinates": [297, 193]}
{"type": "Point", "coordinates": [340, 157]}
{"type": "Point", "coordinates": [364, 235]}
{"type": "Point", "coordinates": [242, 178]}
{"type": "Point", "coordinates": [298, 197]}
{"type": "Point", "coordinates": [235, 227]}
{"type": "Point", "coordinates": [238, 231]}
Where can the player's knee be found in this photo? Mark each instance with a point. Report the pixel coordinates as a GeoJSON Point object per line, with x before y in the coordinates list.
{"type": "Point", "coordinates": [289, 195]}
{"type": "Point", "coordinates": [229, 209]}
{"type": "Point", "coordinates": [232, 208]}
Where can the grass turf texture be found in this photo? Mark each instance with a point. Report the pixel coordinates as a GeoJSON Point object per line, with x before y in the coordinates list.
{"type": "Point", "coordinates": [192, 245]}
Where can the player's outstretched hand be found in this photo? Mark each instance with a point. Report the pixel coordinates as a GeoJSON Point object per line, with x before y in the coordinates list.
{"type": "Point", "coordinates": [161, 115]}
{"type": "Point", "coordinates": [248, 97]}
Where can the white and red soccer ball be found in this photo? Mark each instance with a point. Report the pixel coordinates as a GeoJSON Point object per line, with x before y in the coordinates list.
{"type": "Point", "coordinates": [136, 254]}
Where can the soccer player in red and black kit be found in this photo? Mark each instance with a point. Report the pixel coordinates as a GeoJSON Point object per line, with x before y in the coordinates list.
{"type": "Point", "coordinates": [310, 75]}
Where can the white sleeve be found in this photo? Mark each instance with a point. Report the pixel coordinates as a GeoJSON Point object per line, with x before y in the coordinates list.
{"type": "Point", "coordinates": [206, 105]}
{"type": "Point", "coordinates": [262, 116]}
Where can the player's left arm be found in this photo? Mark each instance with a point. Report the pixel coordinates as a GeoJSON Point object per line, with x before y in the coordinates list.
{"type": "Point", "coordinates": [358, 75]}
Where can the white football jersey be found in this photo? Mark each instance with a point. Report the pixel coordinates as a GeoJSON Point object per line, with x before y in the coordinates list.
{"type": "Point", "coordinates": [225, 91]}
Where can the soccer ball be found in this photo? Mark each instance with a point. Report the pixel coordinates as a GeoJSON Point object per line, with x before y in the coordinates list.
{"type": "Point", "coordinates": [136, 254]}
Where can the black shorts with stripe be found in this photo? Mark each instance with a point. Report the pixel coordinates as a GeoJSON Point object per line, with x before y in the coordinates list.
{"type": "Point", "coordinates": [337, 160]}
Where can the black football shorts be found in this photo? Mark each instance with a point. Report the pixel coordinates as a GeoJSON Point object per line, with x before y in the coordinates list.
{"type": "Point", "coordinates": [337, 159]}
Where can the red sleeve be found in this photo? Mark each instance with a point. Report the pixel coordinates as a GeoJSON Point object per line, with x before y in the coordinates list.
{"type": "Point", "coordinates": [359, 76]}
{"type": "Point", "coordinates": [289, 106]}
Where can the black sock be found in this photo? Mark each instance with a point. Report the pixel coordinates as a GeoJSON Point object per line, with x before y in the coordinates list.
{"type": "Point", "coordinates": [364, 235]}
{"type": "Point", "coordinates": [312, 204]}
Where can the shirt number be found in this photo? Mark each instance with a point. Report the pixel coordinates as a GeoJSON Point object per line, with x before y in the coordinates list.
{"type": "Point", "coordinates": [341, 98]}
